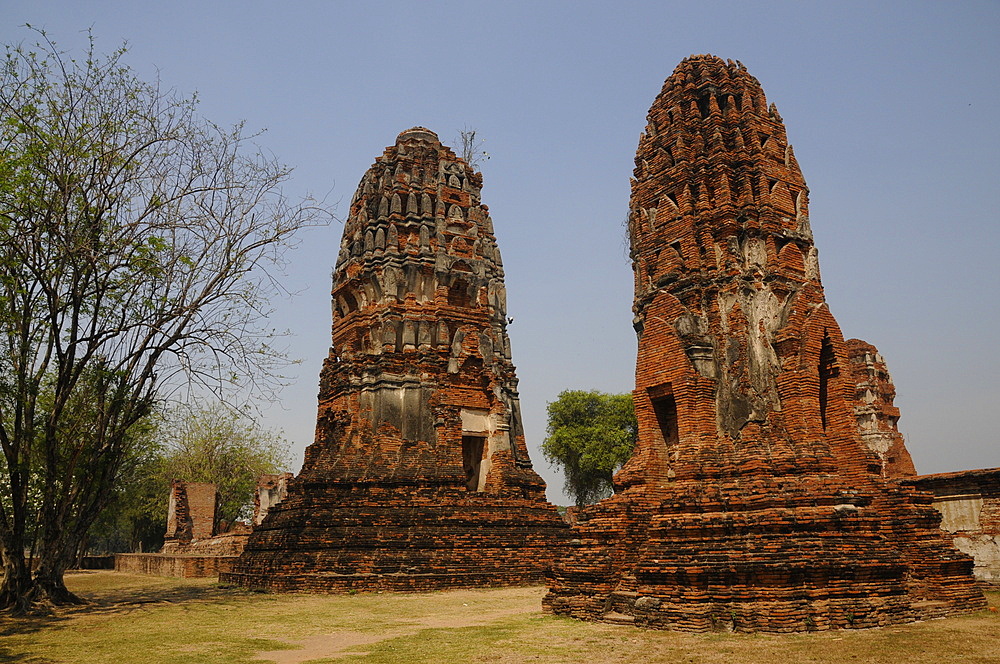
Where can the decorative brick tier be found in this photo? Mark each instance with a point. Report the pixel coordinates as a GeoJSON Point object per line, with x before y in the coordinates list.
{"type": "Point", "coordinates": [419, 477]}
{"type": "Point", "coordinates": [751, 502]}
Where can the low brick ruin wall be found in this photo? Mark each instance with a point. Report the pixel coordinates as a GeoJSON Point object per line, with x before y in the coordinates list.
{"type": "Point", "coordinates": [187, 567]}
{"type": "Point", "coordinates": [969, 503]}
{"type": "Point", "coordinates": [226, 544]}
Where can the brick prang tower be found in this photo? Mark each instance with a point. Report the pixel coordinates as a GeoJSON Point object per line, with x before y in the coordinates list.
{"type": "Point", "coordinates": [874, 410]}
{"type": "Point", "coordinates": [751, 501]}
{"type": "Point", "coordinates": [419, 477]}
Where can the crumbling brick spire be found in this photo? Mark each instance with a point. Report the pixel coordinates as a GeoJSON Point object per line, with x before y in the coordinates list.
{"type": "Point", "coordinates": [751, 501]}
{"type": "Point", "coordinates": [734, 264]}
{"type": "Point", "coordinates": [419, 327]}
{"type": "Point", "coordinates": [419, 477]}
{"type": "Point", "coordinates": [874, 410]}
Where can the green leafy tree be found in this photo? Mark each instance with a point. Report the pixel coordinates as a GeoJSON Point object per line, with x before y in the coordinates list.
{"type": "Point", "coordinates": [136, 514]}
{"type": "Point", "coordinates": [200, 442]}
{"type": "Point", "coordinates": [215, 443]}
{"type": "Point", "coordinates": [139, 245]}
{"type": "Point", "coordinates": [590, 436]}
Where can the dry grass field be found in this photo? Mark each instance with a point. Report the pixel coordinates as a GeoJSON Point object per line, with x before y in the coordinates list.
{"type": "Point", "coordinates": [152, 620]}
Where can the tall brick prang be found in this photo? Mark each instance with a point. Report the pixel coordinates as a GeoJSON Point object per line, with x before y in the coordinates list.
{"type": "Point", "coordinates": [751, 502]}
{"type": "Point", "coordinates": [419, 477]}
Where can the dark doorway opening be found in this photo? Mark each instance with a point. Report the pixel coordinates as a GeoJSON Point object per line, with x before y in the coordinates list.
{"type": "Point", "coordinates": [827, 369]}
{"type": "Point", "coordinates": [666, 417]}
{"type": "Point", "coordinates": [472, 460]}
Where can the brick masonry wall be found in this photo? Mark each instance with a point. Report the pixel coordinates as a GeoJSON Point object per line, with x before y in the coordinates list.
{"type": "Point", "coordinates": [191, 512]}
{"type": "Point", "coordinates": [230, 543]}
{"type": "Point", "coordinates": [419, 476]}
{"type": "Point", "coordinates": [751, 502]}
{"type": "Point", "coordinates": [202, 501]}
{"type": "Point", "coordinates": [969, 502]}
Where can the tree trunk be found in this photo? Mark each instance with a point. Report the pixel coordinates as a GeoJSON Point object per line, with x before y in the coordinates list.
{"type": "Point", "coordinates": [57, 551]}
{"type": "Point", "coordinates": [48, 584]}
{"type": "Point", "coordinates": [21, 594]}
{"type": "Point", "coordinates": [17, 587]}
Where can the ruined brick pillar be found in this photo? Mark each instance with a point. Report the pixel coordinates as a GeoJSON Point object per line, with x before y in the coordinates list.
{"type": "Point", "coordinates": [751, 502]}
{"type": "Point", "coordinates": [191, 513]}
{"type": "Point", "coordinates": [419, 476]}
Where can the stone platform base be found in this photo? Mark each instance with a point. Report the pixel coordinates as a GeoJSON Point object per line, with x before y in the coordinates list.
{"type": "Point", "coordinates": [756, 556]}
{"type": "Point", "coordinates": [343, 537]}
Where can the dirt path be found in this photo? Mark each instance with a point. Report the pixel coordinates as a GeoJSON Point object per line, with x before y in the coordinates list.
{"type": "Point", "coordinates": [326, 646]}
{"type": "Point", "coordinates": [343, 643]}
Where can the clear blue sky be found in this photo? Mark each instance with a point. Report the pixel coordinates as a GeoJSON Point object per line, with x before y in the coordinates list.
{"type": "Point", "coordinates": [892, 109]}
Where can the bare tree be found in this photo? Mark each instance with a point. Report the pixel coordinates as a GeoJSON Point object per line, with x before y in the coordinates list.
{"type": "Point", "coordinates": [139, 245]}
{"type": "Point", "coordinates": [471, 148]}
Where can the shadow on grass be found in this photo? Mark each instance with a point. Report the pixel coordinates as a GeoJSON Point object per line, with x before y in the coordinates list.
{"type": "Point", "coordinates": [109, 601]}
{"type": "Point", "coordinates": [8, 656]}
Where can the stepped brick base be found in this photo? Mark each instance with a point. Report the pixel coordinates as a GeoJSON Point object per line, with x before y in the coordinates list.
{"type": "Point", "coordinates": [345, 538]}
{"type": "Point", "coordinates": [797, 555]}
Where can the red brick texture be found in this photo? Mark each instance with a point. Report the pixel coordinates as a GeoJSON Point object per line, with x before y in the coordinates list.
{"type": "Point", "coordinates": [183, 566]}
{"type": "Point", "coordinates": [751, 502]}
{"type": "Point", "coordinates": [969, 501]}
{"type": "Point", "coordinates": [191, 512]}
{"type": "Point", "coordinates": [419, 477]}
{"type": "Point", "coordinates": [193, 525]}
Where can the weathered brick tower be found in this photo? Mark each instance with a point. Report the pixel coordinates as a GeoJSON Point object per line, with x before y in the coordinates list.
{"type": "Point", "coordinates": [751, 502]}
{"type": "Point", "coordinates": [874, 410]}
{"type": "Point", "coordinates": [419, 477]}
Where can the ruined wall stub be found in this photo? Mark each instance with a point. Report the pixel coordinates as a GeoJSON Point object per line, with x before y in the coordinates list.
{"type": "Point", "coordinates": [194, 527]}
{"type": "Point", "coordinates": [419, 476]}
{"type": "Point", "coordinates": [191, 512]}
{"type": "Point", "coordinates": [751, 502]}
{"type": "Point", "coordinates": [271, 490]}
